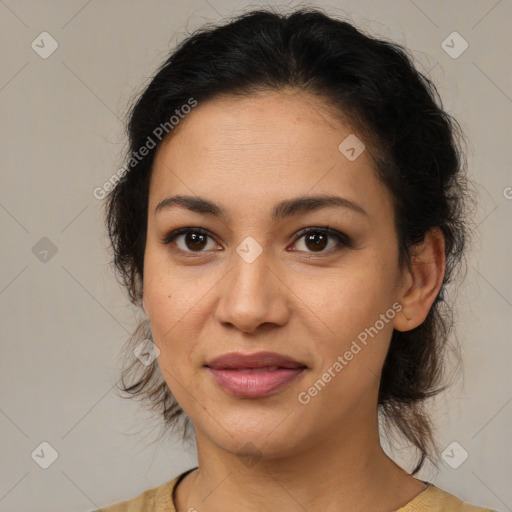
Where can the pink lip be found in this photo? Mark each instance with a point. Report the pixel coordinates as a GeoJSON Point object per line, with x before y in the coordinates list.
{"type": "Point", "coordinates": [250, 375]}
{"type": "Point", "coordinates": [252, 384]}
{"type": "Point", "coordinates": [239, 361]}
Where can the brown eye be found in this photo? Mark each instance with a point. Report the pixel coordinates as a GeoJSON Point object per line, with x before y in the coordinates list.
{"type": "Point", "coordinates": [189, 239]}
{"type": "Point", "coordinates": [316, 241]}
{"type": "Point", "coordinates": [195, 241]}
{"type": "Point", "coordinates": [321, 239]}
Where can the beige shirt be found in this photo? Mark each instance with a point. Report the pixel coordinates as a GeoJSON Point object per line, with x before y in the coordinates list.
{"type": "Point", "coordinates": [160, 499]}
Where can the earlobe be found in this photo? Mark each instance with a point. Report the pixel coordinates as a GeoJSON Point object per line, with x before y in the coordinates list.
{"type": "Point", "coordinates": [422, 282]}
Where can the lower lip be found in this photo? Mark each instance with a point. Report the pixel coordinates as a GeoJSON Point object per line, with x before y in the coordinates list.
{"type": "Point", "coordinates": [249, 384]}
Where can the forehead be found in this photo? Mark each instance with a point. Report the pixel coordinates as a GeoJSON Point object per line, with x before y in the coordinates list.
{"type": "Point", "coordinates": [262, 148]}
{"type": "Point", "coordinates": [289, 122]}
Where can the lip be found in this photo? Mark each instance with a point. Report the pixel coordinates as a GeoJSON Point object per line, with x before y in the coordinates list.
{"type": "Point", "coordinates": [239, 361]}
{"type": "Point", "coordinates": [254, 383]}
{"type": "Point", "coordinates": [254, 375]}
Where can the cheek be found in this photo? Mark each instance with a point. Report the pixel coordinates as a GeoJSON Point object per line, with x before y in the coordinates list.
{"type": "Point", "coordinates": [176, 299]}
{"type": "Point", "coordinates": [167, 291]}
{"type": "Point", "coordinates": [348, 299]}
{"type": "Point", "coordinates": [171, 332]}
{"type": "Point", "coordinates": [349, 321]}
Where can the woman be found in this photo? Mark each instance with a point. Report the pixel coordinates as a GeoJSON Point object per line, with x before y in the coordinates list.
{"type": "Point", "coordinates": [292, 209]}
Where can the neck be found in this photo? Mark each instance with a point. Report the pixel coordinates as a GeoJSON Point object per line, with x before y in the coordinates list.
{"type": "Point", "coordinates": [346, 471]}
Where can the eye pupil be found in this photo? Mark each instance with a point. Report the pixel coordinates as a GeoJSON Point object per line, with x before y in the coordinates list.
{"type": "Point", "coordinates": [195, 240]}
{"type": "Point", "coordinates": [319, 240]}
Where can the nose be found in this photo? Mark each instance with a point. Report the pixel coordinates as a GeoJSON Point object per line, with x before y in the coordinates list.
{"type": "Point", "coordinates": [253, 294]}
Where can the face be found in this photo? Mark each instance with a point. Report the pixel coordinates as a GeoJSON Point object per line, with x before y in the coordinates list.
{"type": "Point", "coordinates": [245, 278]}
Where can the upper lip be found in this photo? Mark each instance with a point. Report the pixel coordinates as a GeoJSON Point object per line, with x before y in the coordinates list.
{"type": "Point", "coordinates": [237, 360]}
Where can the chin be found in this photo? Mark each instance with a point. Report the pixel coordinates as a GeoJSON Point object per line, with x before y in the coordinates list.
{"type": "Point", "coordinates": [270, 436]}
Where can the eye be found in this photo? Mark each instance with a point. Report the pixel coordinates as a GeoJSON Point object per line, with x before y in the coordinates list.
{"type": "Point", "coordinates": [316, 239]}
{"type": "Point", "coordinates": [190, 239]}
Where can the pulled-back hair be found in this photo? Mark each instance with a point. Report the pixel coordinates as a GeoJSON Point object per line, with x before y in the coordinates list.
{"type": "Point", "coordinates": [415, 145]}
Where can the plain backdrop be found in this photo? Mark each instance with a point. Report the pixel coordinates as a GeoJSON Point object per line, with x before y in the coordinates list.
{"type": "Point", "coordinates": [64, 317]}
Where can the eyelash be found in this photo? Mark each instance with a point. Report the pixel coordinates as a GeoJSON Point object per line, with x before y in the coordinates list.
{"type": "Point", "coordinates": [343, 239]}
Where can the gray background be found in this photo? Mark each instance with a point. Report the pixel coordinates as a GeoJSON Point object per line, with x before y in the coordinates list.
{"type": "Point", "coordinates": [63, 316]}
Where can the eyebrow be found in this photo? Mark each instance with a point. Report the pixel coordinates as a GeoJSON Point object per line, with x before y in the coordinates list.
{"type": "Point", "coordinates": [284, 209]}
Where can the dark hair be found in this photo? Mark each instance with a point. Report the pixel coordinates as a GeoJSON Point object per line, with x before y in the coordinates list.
{"type": "Point", "coordinates": [414, 144]}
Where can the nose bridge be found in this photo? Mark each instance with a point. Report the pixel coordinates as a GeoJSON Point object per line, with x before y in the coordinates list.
{"type": "Point", "coordinates": [249, 277]}
{"type": "Point", "coordinates": [251, 294]}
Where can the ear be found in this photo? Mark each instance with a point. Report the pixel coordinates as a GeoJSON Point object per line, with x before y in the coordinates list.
{"type": "Point", "coordinates": [422, 282]}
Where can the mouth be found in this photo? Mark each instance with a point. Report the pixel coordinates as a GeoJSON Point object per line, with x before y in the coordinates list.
{"type": "Point", "coordinates": [255, 370]}
{"type": "Point", "coordinates": [254, 375]}
{"type": "Point", "coordinates": [259, 360]}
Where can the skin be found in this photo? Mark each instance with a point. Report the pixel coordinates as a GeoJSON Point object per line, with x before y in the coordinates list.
{"type": "Point", "coordinates": [246, 155]}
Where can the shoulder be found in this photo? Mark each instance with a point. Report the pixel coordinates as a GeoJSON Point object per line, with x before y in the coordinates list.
{"type": "Point", "coordinates": [155, 499]}
{"type": "Point", "coordinates": [435, 499]}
